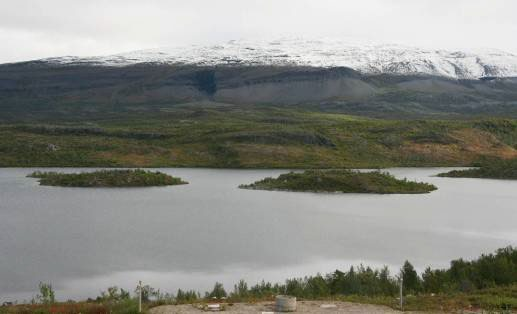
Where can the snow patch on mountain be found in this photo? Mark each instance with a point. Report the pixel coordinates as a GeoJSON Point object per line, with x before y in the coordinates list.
{"type": "Point", "coordinates": [367, 58]}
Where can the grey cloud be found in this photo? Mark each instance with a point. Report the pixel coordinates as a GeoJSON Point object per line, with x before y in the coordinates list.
{"type": "Point", "coordinates": [34, 28]}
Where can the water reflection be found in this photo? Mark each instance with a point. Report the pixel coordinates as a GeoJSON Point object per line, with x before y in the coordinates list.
{"type": "Point", "coordinates": [83, 240]}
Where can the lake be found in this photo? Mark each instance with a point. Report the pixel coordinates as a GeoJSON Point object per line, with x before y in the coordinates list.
{"type": "Point", "coordinates": [83, 240]}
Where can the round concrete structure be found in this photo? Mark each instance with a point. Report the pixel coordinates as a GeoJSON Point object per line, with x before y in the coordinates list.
{"type": "Point", "coordinates": [285, 303]}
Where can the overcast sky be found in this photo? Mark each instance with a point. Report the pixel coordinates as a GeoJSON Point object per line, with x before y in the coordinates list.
{"type": "Point", "coordinates": [31, 29]}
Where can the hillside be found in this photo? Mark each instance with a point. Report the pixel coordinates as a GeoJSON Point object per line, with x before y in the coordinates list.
{"type": "Point", "coordinates": [163, 112]}
{"type": "Point", "coordinates": [221, 135]}
{"type": "Point", "coordinates": [41, 91]}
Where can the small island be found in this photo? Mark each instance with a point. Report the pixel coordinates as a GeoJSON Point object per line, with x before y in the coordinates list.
{"type": "Point", "coordinates": [344, 181]}
{"type": "Point", "coordinates": [496, 169]}
{"type": "Point", "coordinates": [107, 178]}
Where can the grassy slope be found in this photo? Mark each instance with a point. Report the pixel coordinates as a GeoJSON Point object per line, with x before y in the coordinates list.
{"type": "Point", "coordinates": [219, 135]}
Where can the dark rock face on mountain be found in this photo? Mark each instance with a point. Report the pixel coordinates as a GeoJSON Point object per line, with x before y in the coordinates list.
{"type": "Point", "coordinates": [42, 90]}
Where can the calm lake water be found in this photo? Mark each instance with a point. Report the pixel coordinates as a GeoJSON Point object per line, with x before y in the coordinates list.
{"type": "Point", "coordinates": [83, 240]}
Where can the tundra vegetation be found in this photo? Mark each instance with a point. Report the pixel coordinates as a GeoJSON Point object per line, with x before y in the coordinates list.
{"type": "Point", "coordinates": [493, 169]}
{"type": "Point", "coordinates": [488, 282]}
{"type": "Point", "coordinates": [107, 178]}
{"type": "Point", "coordinates": [251, 136]}
{"type": "Point", "coordinates": [345, 181]}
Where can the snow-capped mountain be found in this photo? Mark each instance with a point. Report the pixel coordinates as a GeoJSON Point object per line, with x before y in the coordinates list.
{"type": "Point", "coordinates": [366, 58]}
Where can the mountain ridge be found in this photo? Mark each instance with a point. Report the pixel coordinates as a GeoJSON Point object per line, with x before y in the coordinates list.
{"type": "Point", "coordinates": [36, 90]}
{"type": "Point", "coordinates": [367, 58]}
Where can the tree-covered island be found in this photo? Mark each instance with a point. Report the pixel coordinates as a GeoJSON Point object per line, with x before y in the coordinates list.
{"type": "Point", "coordinates": [107, 178]}
{"type": "Point", "coordinates": [494, 169]}
{"type": "Point", "coordinates": [345, 181]}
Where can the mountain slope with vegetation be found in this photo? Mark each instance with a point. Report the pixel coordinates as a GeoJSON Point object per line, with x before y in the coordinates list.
{"type": "Point", "coordinates": [157, 115]}
{"type": "Point", "coordinates": [46, 92]}
{"type": "Point", "coordinates": [221, 135]}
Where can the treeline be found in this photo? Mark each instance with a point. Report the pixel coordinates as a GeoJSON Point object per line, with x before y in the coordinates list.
{"type": "Point", "coordinates": [488, 271]}
{"type": "Point", "coordinates": [489, 281]}
{"type": "Point", "coordinates": [498, 269]}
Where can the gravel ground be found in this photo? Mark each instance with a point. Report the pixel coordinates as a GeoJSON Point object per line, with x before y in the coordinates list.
{"type": "Point", "coordinates": [316, 307]}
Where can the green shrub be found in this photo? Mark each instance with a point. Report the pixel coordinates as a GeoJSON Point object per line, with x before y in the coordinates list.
{"type": "Point", "coordinates": [106, 178]}
{"type": "Point", "coordinates": [345, 181]}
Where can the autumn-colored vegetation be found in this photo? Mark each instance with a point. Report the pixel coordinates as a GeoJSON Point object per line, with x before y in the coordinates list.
{"type": "Point", "coordinates": [263, 136]}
